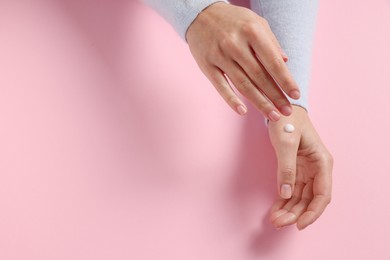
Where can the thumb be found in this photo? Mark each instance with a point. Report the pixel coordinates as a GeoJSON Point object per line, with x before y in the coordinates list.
{"type": "Point", "coordinates": [287, 165]}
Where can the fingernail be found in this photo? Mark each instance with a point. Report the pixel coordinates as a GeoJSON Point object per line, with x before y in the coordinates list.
{"type": "Point", "coordinates": [241, 110]}
{"type": "Point", "coordinates": [274, 116]}
{"type": "Point", "coordinates": [286, 110]}
{"type": "Point", "coordinates": [295, 94]}
{"type": "Point", "coordinates": [285, 191]}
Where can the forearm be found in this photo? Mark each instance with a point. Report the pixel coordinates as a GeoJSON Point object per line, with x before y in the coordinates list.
{"type": "Point", "coordinates": [180, 13]}
{"type": "Point", "coordinates": [293, 23]}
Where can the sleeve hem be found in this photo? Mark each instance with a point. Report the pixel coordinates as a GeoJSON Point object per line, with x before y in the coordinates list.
{"type": "Point", "coordinates": [186, 16]}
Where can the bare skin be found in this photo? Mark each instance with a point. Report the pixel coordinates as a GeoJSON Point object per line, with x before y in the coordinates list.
{"type": "Point", "coordinates": [306, 165]}
{"type": "Point", "coordinates": [234, 41]}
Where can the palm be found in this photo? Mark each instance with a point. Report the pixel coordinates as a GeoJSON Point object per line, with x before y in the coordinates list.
{"type": "Point", "coordinates": [308, 168]}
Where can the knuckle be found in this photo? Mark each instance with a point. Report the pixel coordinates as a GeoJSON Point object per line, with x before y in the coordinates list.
{"type": "Point", "coordinates": [280, 101]}
{"type": "Point", "coordinates": [212, 54]}
{"type": "Point", "coordinates": [260, 77]}
{"type": "Point", "coordinates": [330, 159]}
{"type": "Point", "coordinates": [249, 28]}
{"type": "Point", "coordinates": [232, 99]}
{"type": "Point", "coordinates": [258, 101]}
{"type": "Point", "coordinates": [276, 63]}
{"type": "Point", "coordinates": [229, 42]}
{"type": "Point", "coordinates": [212, 76]}
{"type": "Point", "coordinates": [245, 86]}
{"type": "Point", "coordinates": [288, 173]}
{"type": "Point", "coordinates": [220, 88]}
{"type": "Point", "coordinates": [327, 158]}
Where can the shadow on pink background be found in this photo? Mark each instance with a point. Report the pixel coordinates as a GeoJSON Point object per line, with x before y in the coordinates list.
{"type": "Point", "coordinates": [115, 146]}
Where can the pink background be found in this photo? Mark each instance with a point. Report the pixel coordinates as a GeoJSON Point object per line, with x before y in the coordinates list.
{"type": "Point", "coordinates": [113, 145]}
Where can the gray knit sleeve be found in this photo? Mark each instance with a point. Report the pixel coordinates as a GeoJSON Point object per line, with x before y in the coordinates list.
{"type": "Point", "coordinates": [293, 23]}
{"type": "Point", "coordinates": [180, 13]}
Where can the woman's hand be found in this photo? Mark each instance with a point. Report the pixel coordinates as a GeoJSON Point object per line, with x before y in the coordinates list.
{"type": "Point", "coordinates": [304, 171]}
{"type": "Point", "coordinates": [232, 40]}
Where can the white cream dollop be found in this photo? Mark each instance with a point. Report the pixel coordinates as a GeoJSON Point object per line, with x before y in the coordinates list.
{"type": "Point", "coordinates": [289, 128]}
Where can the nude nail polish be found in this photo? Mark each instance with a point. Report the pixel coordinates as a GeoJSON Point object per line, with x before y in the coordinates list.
{"type": "Point", "coordinates": [274, 116]}
{"type": "Point", "coordinates": [241, 110]}
{"type": "Point", "coordinates": [295, 94]}
{"type": "Point", "coordinates": [286, 110]}
{"type": "Point", "coordinates": [285, 191]}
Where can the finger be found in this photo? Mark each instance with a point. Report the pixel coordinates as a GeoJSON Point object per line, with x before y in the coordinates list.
{"type": "Point", "coordinates": [278, 204]}
{"type": "Point", "coordinates": [313, 212]}
{"type": "Point", "coordinates": [286, 154]}
{"type": "Point", "coordinates": [296, 206]}
{"type": "Point", "coordinates": [286, 205]}
{"type": "Point", "coordinates": [322, 188]}
{"type": "Point", "coordinates": [279, 215]}
{"type": "Point", "coordinates": [276, 42]}
{"type": "Point", "coordinates": [219, 81]}
{"type": "Point", "coordinates": [277, 209]}
{"type": "Point", "coordinates": [269, 56]}
{"type": "Point", "coordinates": [296, 197]}
{"type": "Point", "coordinates": [246, 58]}
{"type": "Point", "coordinates": [246, 87]}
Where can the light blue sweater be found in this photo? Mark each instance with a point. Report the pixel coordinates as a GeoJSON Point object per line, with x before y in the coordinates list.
{"type": "Point", "coordinates": [292, 21]}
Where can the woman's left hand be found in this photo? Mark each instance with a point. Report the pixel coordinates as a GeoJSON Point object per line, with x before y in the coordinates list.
{"type": "Point", "coordinates": [304, 171]}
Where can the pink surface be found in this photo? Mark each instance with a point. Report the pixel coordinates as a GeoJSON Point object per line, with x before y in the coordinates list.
{"type": "Point", "coordinates": [115, 146]}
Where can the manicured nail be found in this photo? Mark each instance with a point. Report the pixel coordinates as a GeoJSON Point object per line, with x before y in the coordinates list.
{"type": "Point", "coordinates": [295, 94]}
{"type": "Point", "coordinates": [285, 191]}
{"type": "Point", "coordinates": [274, 116]}
{"type": "Point", "coordinates": [241, 110]}
{"type": "Point", "coordinates": [286, 110]}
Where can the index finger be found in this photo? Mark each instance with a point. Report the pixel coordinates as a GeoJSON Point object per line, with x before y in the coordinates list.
{"type": "Point", "coordinates": [269, 55]}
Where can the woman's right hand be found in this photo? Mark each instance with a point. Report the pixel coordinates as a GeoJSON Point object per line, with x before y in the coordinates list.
{"type": "Point", "coordinates": [234, 41]}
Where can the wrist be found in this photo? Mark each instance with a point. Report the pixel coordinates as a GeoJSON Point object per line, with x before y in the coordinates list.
{"type": "Point", "coordinates": [298, 105]}
{"type": "Point", "coordinates": [299, 119]}
{"type": "Point", "coordinates": [297, 111]}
